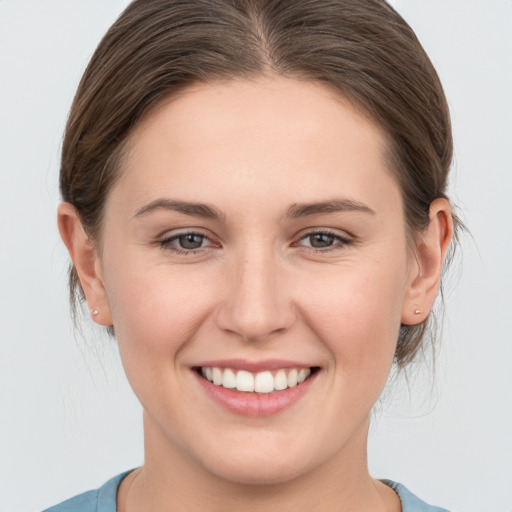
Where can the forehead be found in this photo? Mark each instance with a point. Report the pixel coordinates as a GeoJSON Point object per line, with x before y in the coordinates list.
{"type": "Point", "coordinates": [262, 106]}
{"type": "Point", "coordinates": [254, 136]}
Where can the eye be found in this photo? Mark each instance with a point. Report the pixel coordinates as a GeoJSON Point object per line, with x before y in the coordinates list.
{"type": "Point", "coordinates": [186, 242]}
{"type": "Point", "coordinates": [190, 241]}
{"type": "Point", "coordinates": [321, 240]}
{"type": "Point", "coordinates": [324, 240]}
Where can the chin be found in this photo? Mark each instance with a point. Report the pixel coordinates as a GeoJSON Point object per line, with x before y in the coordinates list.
{"type": "Point", "coordinates": [258, 472]}
{"type": "Point", "coordinates": [259, 463]}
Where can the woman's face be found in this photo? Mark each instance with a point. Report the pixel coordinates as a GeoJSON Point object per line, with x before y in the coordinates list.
{"type": "Point", "coordinates": [255, 228]}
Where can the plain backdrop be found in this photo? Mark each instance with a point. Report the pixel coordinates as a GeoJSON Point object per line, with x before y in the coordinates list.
{"type": "Point", "coordinates": [68, 420]}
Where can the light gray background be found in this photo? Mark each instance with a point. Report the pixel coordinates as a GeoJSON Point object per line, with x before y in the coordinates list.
{"type": "Point", "coordinates": [68, 420]}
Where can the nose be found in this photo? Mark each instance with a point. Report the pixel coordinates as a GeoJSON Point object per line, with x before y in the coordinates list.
{"type": "Point", "coordinates": [257, 303]}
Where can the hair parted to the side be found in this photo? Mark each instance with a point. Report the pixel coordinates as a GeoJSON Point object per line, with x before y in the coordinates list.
{"type": "Point", "coordinates": [361, 48]}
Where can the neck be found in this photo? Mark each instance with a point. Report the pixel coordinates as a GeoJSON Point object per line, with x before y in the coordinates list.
{"type": "Point", "coordinates": [171, 476]}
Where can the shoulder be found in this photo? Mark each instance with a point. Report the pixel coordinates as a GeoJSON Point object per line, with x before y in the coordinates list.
{"type": "Point", "coordinates": [98, 500]}
{"type": "Point", "coordinates": [410, 502]}
{"type": "Point", "coordinates": [86, 502]}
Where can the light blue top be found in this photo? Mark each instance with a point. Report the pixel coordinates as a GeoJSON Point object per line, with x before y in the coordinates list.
{"type": "Point", "coordinates": [104, 499]}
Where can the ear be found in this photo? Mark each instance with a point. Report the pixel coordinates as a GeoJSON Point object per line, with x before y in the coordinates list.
{"type": "Point", "coordinates": [425, 275]}
{"type": "Point", "coordinates": [84, 254]}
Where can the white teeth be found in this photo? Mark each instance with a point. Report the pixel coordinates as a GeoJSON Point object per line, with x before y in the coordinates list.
{"type": "Point", "coordinates": [244, 381]}
{"type": "Point", "coordinates": [292, 378]}
{"type": "Point", "coordinates": [229, 380]}
{"type": "Point", "coordinates": [280, 380]}
{"type": "Point", "coordinates": [262, 382]}
{"type": "Point", "coordinates": [303, 374]}
{"type": "Point", "coordinates": [217, 376]}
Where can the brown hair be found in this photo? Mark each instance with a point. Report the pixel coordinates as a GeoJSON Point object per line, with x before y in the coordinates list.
{"type": "Point", "coordinates": [362, 48]}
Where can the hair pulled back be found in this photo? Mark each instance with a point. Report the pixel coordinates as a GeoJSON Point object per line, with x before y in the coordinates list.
{"type": "Point", "coordinates": [361, 48]}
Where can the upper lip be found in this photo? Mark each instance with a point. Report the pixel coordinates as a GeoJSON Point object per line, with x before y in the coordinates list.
{"type": "Point", "coordinates": [253, 366]}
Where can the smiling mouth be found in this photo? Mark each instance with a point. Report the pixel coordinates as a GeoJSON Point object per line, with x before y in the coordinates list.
{"type": "Point", "coordinates": [258, 383]}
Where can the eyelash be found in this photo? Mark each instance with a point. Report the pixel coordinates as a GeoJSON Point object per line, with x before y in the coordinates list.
{"type": "Point", "coordinates": [166, 243]}
{"type": "Point", "coordinates": [340, 242]}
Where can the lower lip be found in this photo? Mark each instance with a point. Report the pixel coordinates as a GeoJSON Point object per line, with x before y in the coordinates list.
{"type": "Point", "coordinates": [255, 404]}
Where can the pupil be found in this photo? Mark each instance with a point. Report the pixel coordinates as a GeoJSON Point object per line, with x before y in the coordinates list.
{"type": "Point", "coordinates": [321, 240]}
{"type": "Point", "coordinates": [191, 241]}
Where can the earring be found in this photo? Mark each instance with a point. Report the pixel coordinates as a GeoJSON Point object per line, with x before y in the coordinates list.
{"type": "Point", "coordinates": [418, 311]}
{"type": "Point", "coordinates": [94, 311]}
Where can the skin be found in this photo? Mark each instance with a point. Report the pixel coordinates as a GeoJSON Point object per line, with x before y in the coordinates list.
{"type": "Point", "coordinates": [257, 289]}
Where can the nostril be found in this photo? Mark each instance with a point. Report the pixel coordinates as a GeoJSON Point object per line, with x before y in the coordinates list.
{"type": "Point", "coordinates": [256, 306]}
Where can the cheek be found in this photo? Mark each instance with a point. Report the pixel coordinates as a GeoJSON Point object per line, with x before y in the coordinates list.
{"type": "Point", "coordinates": [356, 310]}
{"type": "Point", "coordinates": [155, 308]}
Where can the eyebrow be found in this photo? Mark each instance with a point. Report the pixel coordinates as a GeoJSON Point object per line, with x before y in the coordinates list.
{"type": "Point", "coordinates": [295, 211]}
{"type": "Point", "coordinates": [185, 207]}
{"type": "Point", "coordinates": [335, 205]}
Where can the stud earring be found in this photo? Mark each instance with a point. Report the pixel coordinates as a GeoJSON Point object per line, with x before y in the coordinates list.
{"type": "Point", "coordinates": [417, 311]}
{"type": "Point", "coordinates": [94, 311]}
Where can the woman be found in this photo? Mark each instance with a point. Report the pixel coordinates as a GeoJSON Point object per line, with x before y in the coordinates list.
{"type": "Point", "coordinates": [254, 203]}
